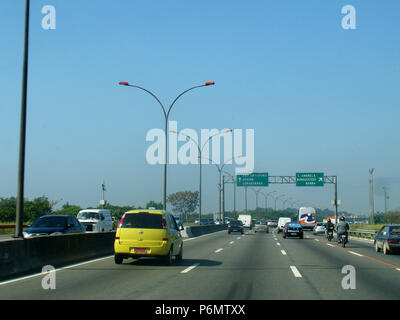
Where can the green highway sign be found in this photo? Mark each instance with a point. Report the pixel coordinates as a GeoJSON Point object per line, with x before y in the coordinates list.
{"type": "Point", "coordinates": [255, 179]}
{"type": "Point", "coordinates": [310, 179]}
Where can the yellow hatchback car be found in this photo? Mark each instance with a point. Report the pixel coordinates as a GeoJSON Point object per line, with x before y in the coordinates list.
{"type": "Point", "coordinates": [148, 233]}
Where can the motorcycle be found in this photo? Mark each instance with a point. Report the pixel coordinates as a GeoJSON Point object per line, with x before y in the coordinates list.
{"type": "Point", "coordinates": [343, 240]}
{"type": "Point", "coordinates": [329, 234]}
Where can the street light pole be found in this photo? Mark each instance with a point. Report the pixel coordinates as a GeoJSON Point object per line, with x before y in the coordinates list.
{"type": "Point", "coordinates": [166, 115]}
{"type": "Point", "coordinates": [371, 195]}
{"type": "Point", "coordinates": [21, 163]}
{"type": "Point", "coordinates": [200, 158]}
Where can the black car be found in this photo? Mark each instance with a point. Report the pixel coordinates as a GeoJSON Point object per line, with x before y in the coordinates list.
{"type": "Point", "coordinates": [235, 226]}
{"type": "Point", "coordinates": [293, 229]}
{"type": "Point", "coordinates": [54, 224]}
{"type": "Point", "coordinates": [388, 239]}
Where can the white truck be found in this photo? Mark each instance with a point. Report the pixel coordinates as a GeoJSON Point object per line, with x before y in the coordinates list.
{"type": "Point", "coordinates": [246, 220]}
{"type": "Point", "coordinates": [96, 220]}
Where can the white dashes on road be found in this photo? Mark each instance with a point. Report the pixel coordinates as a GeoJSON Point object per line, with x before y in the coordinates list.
{"type": "Point", "coordinates": [295, 272]}
{"type": "Point", "coordinates": [331, 245]}
{"type": "Point", "coordinates": [355, 253]}
{"type": "Point", "coordinates": [232, 242]}
{"type": "Point", "coordinates": [190, 268]}
{"type": "Point", "coordinates": [278, 243]}
{"type": "Point", "coordinates": [283, 252]}
{"type": "Point", "coordinates": [218, 250]}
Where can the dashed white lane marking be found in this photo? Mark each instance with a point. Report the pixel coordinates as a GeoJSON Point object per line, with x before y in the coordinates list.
{"type": "Point", "coordinates": [190, 268]}
{"type": "Point", "coordinates": [355, 253]}
{"type": "Point", "coordinates": [278, 243]}
{"type": "Point", "coordinates": [316, 239]}
{"type": "Point", "coordinates": [238, 238]}
{"type": "Point", "coordinates": [331, 245]}
{"type": "Point", "coordinates": [283, 252]}
{"type": "Point", "coordinates": [218, 250]}
{"type": "Point", "coordinates": [232, 242]}
{"type": "Point", "coordinates": [295, 272]}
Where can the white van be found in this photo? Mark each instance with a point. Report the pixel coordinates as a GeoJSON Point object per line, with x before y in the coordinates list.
{"type": "Point", "coordinates": [96, 220]}
{"type": "Point", "coordinates": [281, 223]}
{"type": "Point", "coordinates": [246, 220]}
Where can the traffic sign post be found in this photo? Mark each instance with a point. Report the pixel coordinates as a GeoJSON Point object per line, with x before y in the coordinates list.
{"type": "Point", "coordinates": [310, 179]}
{"type": "Point", "coordinates": [255, 179]}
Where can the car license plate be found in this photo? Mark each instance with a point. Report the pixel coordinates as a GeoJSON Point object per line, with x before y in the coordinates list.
{"type": "Point", "coordinates": [139, 250]}
{"type": "Point", "coordinates": [293, 233]}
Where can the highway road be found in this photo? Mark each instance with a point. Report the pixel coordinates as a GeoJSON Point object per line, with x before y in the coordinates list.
{"type": "Point", "coordinates": [219, 266]}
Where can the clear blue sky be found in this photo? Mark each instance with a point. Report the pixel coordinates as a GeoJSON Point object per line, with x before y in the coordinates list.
{"type": "Point", "coordinates": [320, 98]}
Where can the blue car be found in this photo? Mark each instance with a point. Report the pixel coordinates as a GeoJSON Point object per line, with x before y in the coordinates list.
{"type": "Point", "coordinates": [293, 229]}
{"type": "Point", "coordinates": [388, 239]}
{"type": "Point", "coordinates": [52, 225]}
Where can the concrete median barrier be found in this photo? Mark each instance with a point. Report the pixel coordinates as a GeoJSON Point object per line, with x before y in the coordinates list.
{"type": "Point", "coordinates": [195, 231]}
{"type": "Point", "coordinates": [19, 256]}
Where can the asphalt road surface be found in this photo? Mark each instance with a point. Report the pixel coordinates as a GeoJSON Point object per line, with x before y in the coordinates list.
{"type": "Point", "coordinates": [219, 266]}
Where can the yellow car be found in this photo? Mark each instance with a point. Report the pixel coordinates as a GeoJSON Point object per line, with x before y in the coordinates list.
{"type": "Point", "coordinates": [148, 233]}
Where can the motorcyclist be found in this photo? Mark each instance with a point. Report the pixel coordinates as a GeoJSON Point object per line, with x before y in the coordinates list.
{"type": "Point", "coordinates": [329, 226]}
{"type": "Point", "coordinates": [342, 228]}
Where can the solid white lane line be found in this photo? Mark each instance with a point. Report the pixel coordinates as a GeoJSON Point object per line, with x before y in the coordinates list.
{"type": "Point", "coordinates": [357, 254]}
{"type": "Point", "coordinates": [190, 268]}
{"type": "Point", "coordinates": [295, 272]}
{"type": "Point", "coordinates": [218, 250]}
{"type": "Point", "coordinates": [59, 269]}
{"type": "Point", "coordinates": [283, 252]}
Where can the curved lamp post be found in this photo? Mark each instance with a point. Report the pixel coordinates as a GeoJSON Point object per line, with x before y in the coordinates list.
{"type": "Point", "coordinates": [166, 115]}
{"type": "Point", "coordinates": [220, 167]}
{"type": "Point", "coordinates": [200, 157]}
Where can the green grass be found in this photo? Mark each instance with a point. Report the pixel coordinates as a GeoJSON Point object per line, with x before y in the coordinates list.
{"type": "Point", "coordinates": [364, 226]}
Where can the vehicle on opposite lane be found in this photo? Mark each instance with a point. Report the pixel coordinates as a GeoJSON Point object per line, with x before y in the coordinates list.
{"type": "Point", "coordinates": [54, 224]}
{"type": "Point", "coordinates": [388, 239]}
{"type": "Point", "coordinates": [148, 233]}
{"type": "Point", "coordinates": [261, 225]}
{"type": "Point", "coordinates": [293, 229]}
{"type": "Point", "coordinates": [96, 220]}
{"type": "Point", "coordinates": [235, 226]}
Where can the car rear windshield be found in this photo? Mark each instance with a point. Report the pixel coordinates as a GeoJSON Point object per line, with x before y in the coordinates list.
{"type": "Point", "coordinates": [234, 223]}
{"type": "Point", "coordinates": [395, 231]}
{"type": "Point", "coordinates": [143, 220]}
{"type": "Point", "coordinates": [50, 222]}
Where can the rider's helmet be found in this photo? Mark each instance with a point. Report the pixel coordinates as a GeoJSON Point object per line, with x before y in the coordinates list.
{"type": "Point", "coordinates": [342, 218]}
{"type": "Point", "coordinates": [329, 220]}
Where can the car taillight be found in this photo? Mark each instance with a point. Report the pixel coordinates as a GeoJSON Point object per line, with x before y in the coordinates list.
{"type": "Point", "coordinates": [165, 239]}
{"type": "Point", "coordinates": [121, 221]}
{"type": "Point", "coordinates": [286, 229]}
{"type": "Point", "coordinates": [164, 222]}
{"type": "Point", "coordinates": [393, 241]}
{"type": "Point", "coordinates": [116, 238]}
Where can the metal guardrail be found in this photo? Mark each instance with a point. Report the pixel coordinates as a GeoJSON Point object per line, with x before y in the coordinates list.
{"type": "Point", "coordinates": [365, 234]}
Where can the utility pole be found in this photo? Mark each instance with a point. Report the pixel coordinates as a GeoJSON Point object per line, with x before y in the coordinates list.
{"type": "Point", "coordinates": [385, 196]}
{"type": "Point", "coordinates": [103, 188]}
{"type": "Point", "coordinates": [371, 195]}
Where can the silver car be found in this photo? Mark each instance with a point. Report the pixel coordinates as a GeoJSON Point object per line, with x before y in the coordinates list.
{"type": "Point", "coordinates": [319, 228]}
{"type": "Point", "coordinates": [261, 225]}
